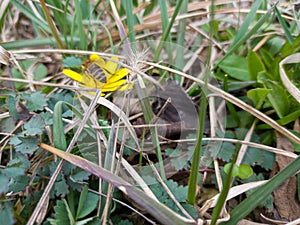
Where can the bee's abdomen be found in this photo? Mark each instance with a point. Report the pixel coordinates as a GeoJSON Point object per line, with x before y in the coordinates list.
{"type": "Point", "coordinates": [97, 72]}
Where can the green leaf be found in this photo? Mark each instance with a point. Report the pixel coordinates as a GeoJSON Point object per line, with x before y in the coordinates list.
{"type": "Point", "coordinates": [59, 137]}
{"type": "Point", "coordinates": [248, 20]}
{"type": "Point", "coordinates": [28, 145]}
{"type": "Point", "coordinates": [245, 171]}
{"type": "Point", "coordinates": [17, 166]}
{"type": "Point", "coordinates": [227, 151]}
{"type": "Point", "coordinates": [278, 98]}
{"type": "Point", "coordinates": [72, 62]}
{"type": "Point", "coordinates": [3, 184]}
{"type": "Point", "coordinates": [17, 110]}
{"type": "Point", "coordinates": [282, 22]}
{"type": "Point", "coordinates": [47, 117]}
{"type": "Point", "coordinates": [35, 126]}
{"type": "Point", "coordinates": [61, 188]}
{"type": "Point", "coordinates": [15, 140]}
{"type": "Point", "coordinates": [236, 67]}
{"type": "Point", "coordinates": [235, 169]}
{"type": "Point", "coordinates": [80, 175]}
{"type": "Point", "coordinates": [6, 214]}
{"type": "Point", "coordinates": [258, 96]}
{"type": "Point", "coordinates": [61, 212]}
{"type": "Point", "coordinates": [19, 183]}
{"type": "Point", "coordinates": [255, 65]}
{"type": "Point", "coordinates": [35, 101]}
{"type": "Point", "coordinates": [87, 203]}
{"type": "Point", "coordinates": [40, 72]}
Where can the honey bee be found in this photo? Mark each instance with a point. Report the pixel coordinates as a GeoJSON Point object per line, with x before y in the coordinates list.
{"type": "Point", "coordinates": [104, 75]}
{"type": "Point", "coordinates": [93, 69]}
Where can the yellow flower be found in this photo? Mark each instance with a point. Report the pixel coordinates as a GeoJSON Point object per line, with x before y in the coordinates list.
{"type": "Point", "coordinates": [99, 74]}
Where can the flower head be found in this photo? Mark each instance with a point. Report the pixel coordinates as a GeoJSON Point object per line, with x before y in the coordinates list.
{"type": "Point", "coordinates": [104, 75]}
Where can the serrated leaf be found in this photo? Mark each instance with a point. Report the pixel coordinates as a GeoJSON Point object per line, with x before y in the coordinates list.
{"type": "Point", "coordinates": [268, 160]}
{"type": "Point", "coordinates": [3, 184]}
{"type": "Point", "coordinates": [16, 109]}
{"type": "Point", "coordinates": [17, 166]}
{"type": "Point", "coordinates": [19, 183]}
{"type": "Point", "coordinates": [179, 192]}
{"type": "Point", "coordinates": [61, 188]}
{"type": "Point", "coordinates": [15, 140]}
{"type": "Point", "coordinates": [28, 145]}
{"type": "Point", "coordinates": [16, 74]}
{"type": "Point", "coordinates": [236, 67]}
{"type": "Point", "coordinates": [80, 175]}
{"type": "Point", "coordinates": [35, 101]}
{"type": "Point", "coordinates": [258, 96]}
{"type": "Point", "coordinates": [35, 126]}
{"type": "Point", "coordinates": [226, 152]}
{"type": "Point", "coordinates": [47, 117]}
{"type": "Point", "coordinates": [253, 156]}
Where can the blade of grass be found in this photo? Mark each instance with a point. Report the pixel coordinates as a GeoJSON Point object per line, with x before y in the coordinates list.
{"type": "Point", "coordinates": [166, 28]}
{"type": "Point", "coordinates": [261, 193]}
{"type": "Point", "coordinates": [193, 178]}
{"type": "Point", "coordinates": [59, 137]}
{"type": "Point", "coordinates": [159, 211]}
{"type": "Point", "coordinates": [34, 43]}
{"type": "Point", "coordinates": [53, 28]}
{"type": "Point", "coordinates": [234, 46]}
{"type": "Point", "coordinates": [79, 25]}
{"type": "Point", "coordinates": [31, 15]}
{"type": "Point", "coordinates": [225, 190]}
{"type": "Point", "coordinates": [179, 60]}
{"type": "Point", "coordinates": [248, 20]}
{"type": "Point", "coordinates": [282, 22]}
{"type": "Point", "coordinates": [130, 22]}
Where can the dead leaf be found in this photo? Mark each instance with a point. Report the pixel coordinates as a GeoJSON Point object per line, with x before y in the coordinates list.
{"type": "Point", "coordinates": [285, 198]}
{"type": "Point", "coordinates": [248, 222]}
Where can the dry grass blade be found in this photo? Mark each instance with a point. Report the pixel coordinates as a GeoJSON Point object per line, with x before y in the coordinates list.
{"type": "Point", "coordinates": [156, 209]}
{"type": "Point", "coordinates": [236, 190]}
{"type": "Point", "coordinates": [293, 90]}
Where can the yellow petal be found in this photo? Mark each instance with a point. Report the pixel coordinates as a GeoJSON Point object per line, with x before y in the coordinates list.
{"type": "Point", "coordinates": [118, 75]}
{"type": "Point", "coordinates": [73, 75]}
{"type": "Point", "coordinates": [113, 86]}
